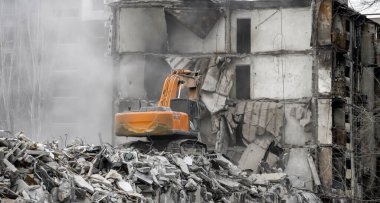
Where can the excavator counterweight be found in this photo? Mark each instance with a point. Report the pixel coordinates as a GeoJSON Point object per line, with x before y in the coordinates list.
{"type": "Point", "coordinates": [157, 123]}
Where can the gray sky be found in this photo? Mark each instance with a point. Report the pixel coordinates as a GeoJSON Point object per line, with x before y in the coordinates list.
{"type": "Point", "coordinates": [357, 5]}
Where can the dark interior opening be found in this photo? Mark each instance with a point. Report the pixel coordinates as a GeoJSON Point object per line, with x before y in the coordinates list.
{"type": "Point", "coordinates": [243, 36]}
{"type": "Point", "coordinates": [243, 81]}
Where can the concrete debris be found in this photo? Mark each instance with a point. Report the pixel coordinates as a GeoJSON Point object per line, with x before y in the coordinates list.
{"type": "Point", "coordinates": [85, 173]}
{"type": "Point", "coordinates": [256, 126]}
{"type": "Point", "coordinates": [124, 185]}
{"type": "Point", "coordinates": [80, 182]}
{"type": "Point", "coordinates": [265, 179]}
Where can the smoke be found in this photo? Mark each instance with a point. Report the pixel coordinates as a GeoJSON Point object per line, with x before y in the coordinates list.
{"type": "Point", "coordinates": [55, 79]}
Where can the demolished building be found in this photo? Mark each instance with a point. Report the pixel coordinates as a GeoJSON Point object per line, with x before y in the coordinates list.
{"type": "Point", "coordinates": [288, 85]}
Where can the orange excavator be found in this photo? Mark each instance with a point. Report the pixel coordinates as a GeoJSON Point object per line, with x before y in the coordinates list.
{"type": "Point", "coordinates": [173, 123]}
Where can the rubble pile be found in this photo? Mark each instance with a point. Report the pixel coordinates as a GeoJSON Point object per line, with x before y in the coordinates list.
{"type": "Point", "coordinates": [35, 172]}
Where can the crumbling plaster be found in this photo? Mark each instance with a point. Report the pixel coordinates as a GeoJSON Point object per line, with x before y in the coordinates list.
{"type": "Point", "coordinates": [298, 127]}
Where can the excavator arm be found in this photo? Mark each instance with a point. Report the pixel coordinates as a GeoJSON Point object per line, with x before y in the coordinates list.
{"type": "Point", "coordinates": [173, 83]}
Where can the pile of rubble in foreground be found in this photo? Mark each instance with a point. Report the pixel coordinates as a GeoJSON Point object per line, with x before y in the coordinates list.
{"type": "Point", "coordinates": [35, 172]}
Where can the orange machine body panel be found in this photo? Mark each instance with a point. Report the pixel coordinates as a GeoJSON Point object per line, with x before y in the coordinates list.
{"type": "Point", "coordinates": [155, 123]}
{"type": "Point", "coordinates": [160, 122]}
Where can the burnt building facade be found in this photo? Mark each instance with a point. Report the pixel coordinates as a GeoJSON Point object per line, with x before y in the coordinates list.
{"type": "Point", "coordinates": [287, 85]}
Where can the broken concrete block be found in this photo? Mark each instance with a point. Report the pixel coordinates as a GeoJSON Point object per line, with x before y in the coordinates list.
{"type": "Point", "coordinates": [64, 191]}
{"type": "Point", "coordinates": [266, 178]}
{"type": "Point", "coordinates": [195, 177]}
{"type": "Point", "coordinates": [252, 157]}
{"type": "Point", "coordinates": [112, 174]}
{"type": "Point", "coordinates": [214, 102]}
{"type": "Point", "coordinates": [191, 185]}
{"type": "Point", "coordinates": [82, 183]}
{"type": "Point", "coordinates": [227, 164]}
{"type": "Point", "coordinates": [183, 166]}
{"type": "Point", "coordinates": [37, 152]}
{"type": "Point", "coordinates": [188, 160]}
{"type": "Point", "coordinates": [9, 165]}
{"type": "Point", "coordinates": [100, 179]}
{"type": "Point", "coordinates": [144, 177]}
{"type": "Point", "coordinates": [228, 183]}
{"type": "Point", "coordinates": [124, 185]}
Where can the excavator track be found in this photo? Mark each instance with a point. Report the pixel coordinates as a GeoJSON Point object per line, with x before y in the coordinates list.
{"type": "Point", "coordinates": [187, 147]}
{"type": "Point", "coordinates": [169, 144]}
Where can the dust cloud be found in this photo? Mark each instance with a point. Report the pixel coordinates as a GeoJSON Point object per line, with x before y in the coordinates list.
{"type": "Point", "coordinates": [55, 76]}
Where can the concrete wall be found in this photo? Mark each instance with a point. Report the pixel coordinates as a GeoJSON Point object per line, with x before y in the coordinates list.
{"type": "Point", "coordinates": [182, 40]}
{"type": "Point", "coordinates": [141, 29]}
{"type": "Point", "coordinates": [286, 76]}
{"type": "Point", "coordinates": [131, 77]}
{"type": "Point", "coordinates": [276, 29]}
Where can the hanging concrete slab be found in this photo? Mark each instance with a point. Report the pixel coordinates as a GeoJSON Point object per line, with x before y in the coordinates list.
{"type": "Point", "coordinates": [199, 21]}
{"type": "Point", "coordinates": [261, 118]}
{"type": "Point", "coordinates": [214, 102]}
{"type": "Point", "coordinates": [176, 62]}
{"type": "Point", "coordinates": [226, 82]}
{"type": "Point", "coordinates": [212, 77]}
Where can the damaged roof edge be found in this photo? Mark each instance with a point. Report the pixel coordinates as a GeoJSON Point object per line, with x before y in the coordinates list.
{"type": "Point", "coordinates": [346, 9]}
{"type": "Point", "coordinates": [233, 4]}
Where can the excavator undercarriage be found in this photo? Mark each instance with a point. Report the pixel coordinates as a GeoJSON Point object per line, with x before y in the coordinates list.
{"type": "Point", "coordinates": [170, 144]}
